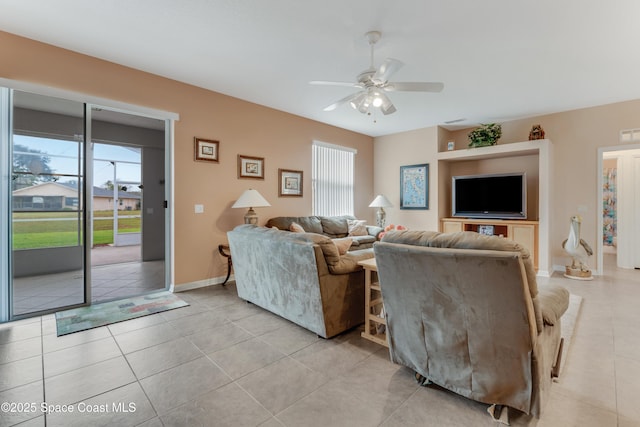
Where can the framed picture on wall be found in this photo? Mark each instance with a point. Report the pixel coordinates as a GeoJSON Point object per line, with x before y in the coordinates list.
{"type": "Point", "coordinates": [206, 149]}
{"type": "Point", "coordinates": [290, 183]}
{"type": "Point", "coordinates": [414, 186]}
{"type": "Point", "coordinates": [250, 167]}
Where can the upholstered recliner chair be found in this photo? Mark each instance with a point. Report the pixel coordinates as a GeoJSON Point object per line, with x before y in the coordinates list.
{"type": "Point", "coordinates": [464, 311]}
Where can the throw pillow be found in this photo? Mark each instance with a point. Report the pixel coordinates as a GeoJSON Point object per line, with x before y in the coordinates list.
{"type": "Point", "coordinates": [296, 228]}
{"type": "Point", "coordinates": [357, 227]}
{"type": "Point", "coordinates": [343, 244]}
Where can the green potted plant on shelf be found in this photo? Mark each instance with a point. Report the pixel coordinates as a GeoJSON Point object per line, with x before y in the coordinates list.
{"type": "Point", "coordinates": [485, 135]}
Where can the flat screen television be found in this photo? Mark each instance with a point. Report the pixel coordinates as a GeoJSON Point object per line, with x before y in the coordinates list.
{"type": "Point", "coordinates": [499, 196]}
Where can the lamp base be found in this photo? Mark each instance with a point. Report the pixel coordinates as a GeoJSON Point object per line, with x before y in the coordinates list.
{"type": "Point", "coordinates": [381, 217]}
{"type": "Point", "coordinates": [251, 217]}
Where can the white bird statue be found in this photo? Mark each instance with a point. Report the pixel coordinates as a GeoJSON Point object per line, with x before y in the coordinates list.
{"type": "Point", "coordinates": [579, 251]}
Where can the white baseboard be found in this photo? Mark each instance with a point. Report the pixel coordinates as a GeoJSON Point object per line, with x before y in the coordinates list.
{"type": "Point", "coordinates": [199, 284]}
{"type": "Point", "coordinates": [543, 273]}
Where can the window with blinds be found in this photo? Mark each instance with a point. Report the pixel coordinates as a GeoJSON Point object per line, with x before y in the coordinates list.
{"type": "Point", "coordinates": [332, 179]}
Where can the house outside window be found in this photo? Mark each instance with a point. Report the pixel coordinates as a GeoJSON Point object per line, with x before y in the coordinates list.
{"type": "Point", "coordinates": [332, 179]}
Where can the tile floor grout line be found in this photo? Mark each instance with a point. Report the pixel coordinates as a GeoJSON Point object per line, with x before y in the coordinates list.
{"type": "Point", "coordinates": [404, 402]}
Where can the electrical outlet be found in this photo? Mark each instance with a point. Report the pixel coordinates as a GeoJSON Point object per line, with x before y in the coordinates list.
{"type": "Point", "coordinates": [582, 209]}
{"type": "Point", "coordinates": [198, 209]}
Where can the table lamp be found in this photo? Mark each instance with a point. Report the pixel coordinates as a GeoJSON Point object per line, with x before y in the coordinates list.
{"type": "Point", "coordinates": [251, 199]}
{"type": "Point", "coordinates": [381, 202]}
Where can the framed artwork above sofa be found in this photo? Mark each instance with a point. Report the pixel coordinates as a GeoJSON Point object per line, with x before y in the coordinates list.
{"type": "Point", "coordinates": [290, 183]}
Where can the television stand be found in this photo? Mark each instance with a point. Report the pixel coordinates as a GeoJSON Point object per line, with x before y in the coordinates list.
{"type": "Point", "coordinates": [520, 231]}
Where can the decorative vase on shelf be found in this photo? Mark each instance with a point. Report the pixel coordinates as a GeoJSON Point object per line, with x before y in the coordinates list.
{"type": "Point", "coordinates": [485, 135]}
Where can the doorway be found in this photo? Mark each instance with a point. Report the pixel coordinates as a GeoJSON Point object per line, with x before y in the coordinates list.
{"type": "Point", "coordinates": [55, 200]}
{"type": "Point", "coordinates": [127, 205]}
{"type": "Point", "coordinates": [619, 203]}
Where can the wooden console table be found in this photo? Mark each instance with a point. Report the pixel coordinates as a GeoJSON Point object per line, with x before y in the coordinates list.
{"type": "Point", "coordinates": [373, 304]}
{"type": "Point", "coordinates": [519, 231]}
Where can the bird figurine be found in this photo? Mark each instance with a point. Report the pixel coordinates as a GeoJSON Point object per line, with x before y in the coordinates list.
{"type": "Point", "coordinates": [579, 251]}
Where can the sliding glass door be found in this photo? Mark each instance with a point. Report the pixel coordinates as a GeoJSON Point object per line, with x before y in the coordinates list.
{"type": "Point", "coordinates": [83, 204]}
{"type": "Point", "coordinates": [126, 204]}
{"type": "Point", "coordinates": [47, 204]}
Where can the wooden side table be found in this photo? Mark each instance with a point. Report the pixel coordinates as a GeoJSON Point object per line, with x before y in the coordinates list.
{"type": "Point", "coordinates": [373, 305]}
{"type": "Point", "coordinates": [226, 252]}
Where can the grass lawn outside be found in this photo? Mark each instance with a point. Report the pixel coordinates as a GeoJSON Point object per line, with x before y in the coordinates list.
{"type": "Point", "coordinates": [54, 229]}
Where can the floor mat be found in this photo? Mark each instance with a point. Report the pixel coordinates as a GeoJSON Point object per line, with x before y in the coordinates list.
{"type": "Point", "coordinates": [83, 318]}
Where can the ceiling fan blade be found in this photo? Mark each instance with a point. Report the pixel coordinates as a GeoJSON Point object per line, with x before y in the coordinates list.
{"type": "Point", "coordinates": [342, 101]}
{"type": "Point", "coordinates": [387, 106]}
{"type": "Point", "coordinates": [386, 70]}
{"type": "Point", "coordinates": [414, 86]}
{"type": "Point", "coordinates": [325, 83]}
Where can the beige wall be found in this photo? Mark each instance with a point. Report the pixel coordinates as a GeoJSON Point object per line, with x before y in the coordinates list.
{"type": "Point", "coordinates": [284, 140]}
{"type": "Point", "coordinates": [576, 136]}
{"type": "Point", "coordinates": [407, 148]}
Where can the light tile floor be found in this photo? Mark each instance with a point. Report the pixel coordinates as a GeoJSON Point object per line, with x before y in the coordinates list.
{"type": "Point", "coordinates": [108, 282]}
{"type": "Point", "coordinates": [223, 362]}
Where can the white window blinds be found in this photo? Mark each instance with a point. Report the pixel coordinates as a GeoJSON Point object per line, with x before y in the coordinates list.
{"type": "Point", "coordinates": [332, 179]}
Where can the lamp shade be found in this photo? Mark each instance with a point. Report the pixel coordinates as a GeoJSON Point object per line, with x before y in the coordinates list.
{"type": "Point", "coordinates": [251, 199]}
{"type": "Point", "coordinates": [381, 202]}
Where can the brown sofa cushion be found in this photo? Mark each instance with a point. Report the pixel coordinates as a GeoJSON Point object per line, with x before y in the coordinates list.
{"type": "Point", "coordinates": [296, 228]}
{"type": "Point", "coordinates": [337, 264]}
{"type": "Point", "coordinates": [343, 244]}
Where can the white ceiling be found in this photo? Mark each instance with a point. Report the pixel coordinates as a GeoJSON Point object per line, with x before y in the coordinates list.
{"type": "Point", "coordinates": [499, 59]}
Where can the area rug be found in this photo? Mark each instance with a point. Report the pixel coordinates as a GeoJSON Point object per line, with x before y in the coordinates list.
{"type": "Point", "coordinates": [568, 325]}
{"type": "Point", "coordinates": [93, 316]}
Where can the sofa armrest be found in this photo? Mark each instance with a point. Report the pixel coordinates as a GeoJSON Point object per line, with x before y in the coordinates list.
{"type": "Point", "coordinates": [554, 301]}
{"type": "Point", "coordinates": [374, 230]}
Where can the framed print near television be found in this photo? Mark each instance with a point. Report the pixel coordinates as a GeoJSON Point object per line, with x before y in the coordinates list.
{"type": "Point", "coordinates": [206, 149]}
{"type": "Point", "coordinates": [250, 167]}
{"type": "Point", "coordinates": [290, 183]}
{"type": "Point", "coordinates": [414, 186]}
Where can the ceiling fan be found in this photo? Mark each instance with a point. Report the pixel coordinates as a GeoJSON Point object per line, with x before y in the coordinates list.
{"type": "Point", "coordinates": [373, 83]}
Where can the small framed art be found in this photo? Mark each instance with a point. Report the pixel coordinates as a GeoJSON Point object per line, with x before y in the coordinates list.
{"type": "Point", "coordinates": [290, 183]}
{"type": "Point", "coordinates": [414, 187]}
{"type": "Point", "coordinates": [206, 149]}
{"type": "Point", "coordinates": [250, 167]}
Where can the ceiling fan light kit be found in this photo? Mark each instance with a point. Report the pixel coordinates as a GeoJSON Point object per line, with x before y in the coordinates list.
{"type": "Point", "coordinates": [374, 82]}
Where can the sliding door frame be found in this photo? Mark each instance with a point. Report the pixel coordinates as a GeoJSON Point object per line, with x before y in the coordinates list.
{"type": "Point", "coordinates": [6, 105]}
{"type": "Point", "coordinates": [5, 217]}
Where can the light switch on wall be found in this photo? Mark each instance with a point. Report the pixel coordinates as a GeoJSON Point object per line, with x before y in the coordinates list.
{"type": "Point", "coordinates": [198, 209]}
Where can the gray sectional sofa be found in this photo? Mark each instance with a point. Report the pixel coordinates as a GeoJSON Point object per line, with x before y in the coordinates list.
{"type": "Point", "coordinates": [299, 276]}
{"type": "Point", "coordinates": [330, 226]}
